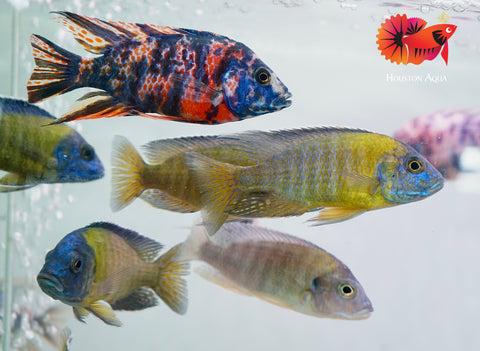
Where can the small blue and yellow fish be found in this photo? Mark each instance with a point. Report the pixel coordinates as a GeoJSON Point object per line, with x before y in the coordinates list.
{"type": "Point", "coordinates": [155, 71]}
{"type": "Point", "coordinates": [103, 267]}
{"type": "Point", "coordinates": [32, 154]}
{"type": "Point", "coordinates": [341, 172]}
{"type": "Point", "coordinates": [278, 268]}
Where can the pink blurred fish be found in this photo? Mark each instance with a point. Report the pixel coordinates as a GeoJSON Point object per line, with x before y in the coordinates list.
{"type": "Point", "coordinates": [442, 137]}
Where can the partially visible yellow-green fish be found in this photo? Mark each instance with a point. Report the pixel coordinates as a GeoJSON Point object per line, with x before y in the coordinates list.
{"type": "Point", "coordinates": [343, 172]}
{"type": "Point", "coordinates": [31, 153]}
{"type": "Point", "coordinates": [103, 267]}
{"type": "Point", "coordinates": [278, 268]}
{"type": "Point", "coordinates": [165, 182]}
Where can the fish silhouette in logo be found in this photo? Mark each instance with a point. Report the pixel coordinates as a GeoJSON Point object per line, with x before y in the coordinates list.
{"type": "Point", "coordinates": [408, 40]}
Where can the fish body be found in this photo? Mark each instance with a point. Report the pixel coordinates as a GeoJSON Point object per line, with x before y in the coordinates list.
{"type": "Point", "coordinates": [279, 268]}
{"type": "Point", "coordinates": [32, 154]}
{"type": "Point", "coordinates": [155, 71]}
{"type": "Point", "coordinates": [343, 172]}
{"type": "Point", "coordinates": [103, 267]}
{"type": "Point", "coordinates": [442, 136]}
{"type": "Point", "coordinates": [408, 40]}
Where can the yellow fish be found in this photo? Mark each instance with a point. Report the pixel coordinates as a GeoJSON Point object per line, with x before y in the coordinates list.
{"type": "Point", "coordinates": [103, 267]}
{"type": "Point", "coordinates": [344, 172]}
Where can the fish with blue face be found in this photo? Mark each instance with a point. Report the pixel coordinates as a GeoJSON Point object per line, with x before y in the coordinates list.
{"type": "Point", "coordinates": [155, 71]}
{"type": "Point", "coordinates": [32, 154]}
{"type": "Point", "coordinates": [278, 268]}
{"type": "Point", "coordinates": [103, 267]}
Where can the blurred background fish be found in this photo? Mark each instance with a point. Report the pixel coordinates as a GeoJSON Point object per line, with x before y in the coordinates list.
{"type": "Point", "coordinates": [155, 71]}
{"type": "Point", "coordinates": [103, 267]}
{"type": "Point", "coordinates": [33, 324]}
{"type": "Point", "coordinates": [341, 172]}
{"type": "Point", "coordinates": [32, 154]}
{"type": "Point", "coordinates": [278, 268]}
{"type": "Point", "coordinates": [447, 138]}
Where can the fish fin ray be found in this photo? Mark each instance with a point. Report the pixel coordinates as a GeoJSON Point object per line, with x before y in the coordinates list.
{"type": "Point", "coordinates": [415, 25]}
{"type": "Point", "coordinates": [214, 276]}
{"type": "Point", "coordinates": [148, 249]}
{"type": "Point", "coordinates": [264, 204]}
{"type": "Point", "coordinates": [331, 215]}
{"type": "Point", "coordinates": [80, 313]}
{"type": "Point", "coordinates": [95, 105]}
{"type": "Point", "coordinates": [55, 70]}
{"type": "Point", "coordinates": [194, 90]}
{"type": "Point", "coordinates": [159, 151]}
{"type": "Point", "coordinates": [160, 199]}
{"type": "Point", "coordinates": [21, 107]}
{"type": "Point", "coordinates": [390, 39]}
{"type": "Point", "coordinates": [217, 185]}
{"type": "Point", "coordinates": [139, 299]}
{"type": "Point", "coordinates": [361, 183]}
{"type": "Point", "coordinates": [104, 311]}
{"type": "Point", "coordinates": [127, 169]}
{"type": "Point", "coordinates": [171, 287]}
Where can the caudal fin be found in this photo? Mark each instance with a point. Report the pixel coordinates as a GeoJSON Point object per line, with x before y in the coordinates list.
{"type": "Point", "coordinates": [55, 72]}
{"type": "Point", "coordinates": [127, 170]}
{"type": "Point", "coordinates": [171, 287]}
{"type": "Point", "coordinates": [216, 181]}
{"type": "Point", "coordinates": [390, 39]}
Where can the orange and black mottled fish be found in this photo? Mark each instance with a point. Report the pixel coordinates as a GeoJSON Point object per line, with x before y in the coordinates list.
{"type": "Point", "coordinates": [155, 71]}
{"type": "Point", "coordinates": [406, 40]}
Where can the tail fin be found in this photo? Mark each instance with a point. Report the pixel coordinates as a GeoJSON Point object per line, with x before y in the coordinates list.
{"type": "Point", "coordinates": [217, 185]}
{"type": "Point", "coordinates": [390, 39]}
{"type": "Point", "coordinates": [171, 287]}
{"type": "Point", "coordinates": [55, 72]}
{"type": "Point", "coordinates": [127, 170]}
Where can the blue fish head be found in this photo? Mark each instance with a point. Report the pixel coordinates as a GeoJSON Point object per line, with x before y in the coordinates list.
{"type": "Point", "coordinates": [409, 178]}
{"type": "Point", "coordinates": [76, 160]}
{"type": "Point", "coordinates": [252, 89]}
{"type": "Point", "coordinates": [69, 270]}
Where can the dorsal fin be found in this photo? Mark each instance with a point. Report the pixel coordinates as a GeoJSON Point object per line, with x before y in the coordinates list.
{"type": "Point", "coordinates": [22, 107]}
{"type": "Point", "coordinates": [160, 150]}
{"type": "Point", "coordinates": [146, 248]}
{"type": "Point", "coordinates": [415, 25]}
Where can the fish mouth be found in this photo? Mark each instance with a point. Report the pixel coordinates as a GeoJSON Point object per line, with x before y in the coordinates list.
{"type": "Point", "coordinates": [283, 102]}
{"type": "Point", "coordinates": [49, 283]}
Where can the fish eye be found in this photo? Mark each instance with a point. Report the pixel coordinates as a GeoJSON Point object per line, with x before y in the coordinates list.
{"type": "Point", "coordinates": [87, 152]}
{"type": "Point", "coordinates": [76, 265]}
{"type": "Point", "coordinates": [448, 30]}
{"type": "Point", "coordinates": [347, 290]}
{"type": "Point", "coordinates": [262, 76]}
{"type": "Point", "coordinates": [414, 165]}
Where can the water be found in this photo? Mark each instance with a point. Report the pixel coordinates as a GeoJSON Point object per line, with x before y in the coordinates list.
{"type": "Point", "coordinates": [418, 263]}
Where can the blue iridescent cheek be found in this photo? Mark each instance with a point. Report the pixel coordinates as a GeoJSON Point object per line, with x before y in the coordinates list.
{"type": "Point", "coordinates": [77, 161]}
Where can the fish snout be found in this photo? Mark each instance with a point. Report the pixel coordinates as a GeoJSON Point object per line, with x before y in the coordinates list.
{"type": "Point", "coordinates": [50, 284]}
{"type": "Point", "coordinates": [283, 101]}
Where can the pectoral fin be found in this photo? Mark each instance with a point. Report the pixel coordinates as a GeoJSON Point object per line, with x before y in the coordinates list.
{"type": "Point", "coordinates": [335, 214]}
{"type": "Point", "coordinates": [361, 183]}
{"type": "Point", "coordinates": [445, 52]}
{"type": "Point", "coordinates": [80, 313]}
{"type": "Point", "coordinates": [14, 182]}
{"type": "Point", "coordinates": [139, 299]}
{"type": "Point", "coordinates": [104, 311]}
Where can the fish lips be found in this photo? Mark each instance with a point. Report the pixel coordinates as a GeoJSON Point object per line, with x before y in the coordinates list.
{"type": "Point", "coordinates": [283, 101]}
{"type": "Point", "coordinates": [50, 284]}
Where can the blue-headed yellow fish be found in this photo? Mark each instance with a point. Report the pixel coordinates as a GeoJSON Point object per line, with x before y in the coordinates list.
{"type": "Point", "coordinates": [341, 172]}
{"type": "Point", "coordinates": [103, 267]}
{"type": "Point", "coordinates": [155, 71]}
{"type": "Point", "coordinates": [278, 268]}
{"type": "Point", "coordinates": [32, 154]}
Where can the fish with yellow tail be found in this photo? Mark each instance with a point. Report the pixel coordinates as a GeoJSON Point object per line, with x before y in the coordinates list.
{"type": "Point", "coordinates": [103, 267]}
{"type": "Point", "coordinates": [164, 180]}
{"type": "Point", "coordinates": [341, 172]}
{"type": "Point", "coordinates": [278, 268]}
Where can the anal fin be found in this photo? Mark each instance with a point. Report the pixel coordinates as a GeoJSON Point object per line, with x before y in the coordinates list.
{"type": "Point", "coordinates": [80, 313]}
{"type": "Point", "coordinates": [139, 299]}
{"type": "Point", "coordinates": [94, 105]}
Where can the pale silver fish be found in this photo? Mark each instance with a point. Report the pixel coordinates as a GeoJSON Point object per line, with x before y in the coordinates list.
{"type": "Point", "coordinates": [278, 268]}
